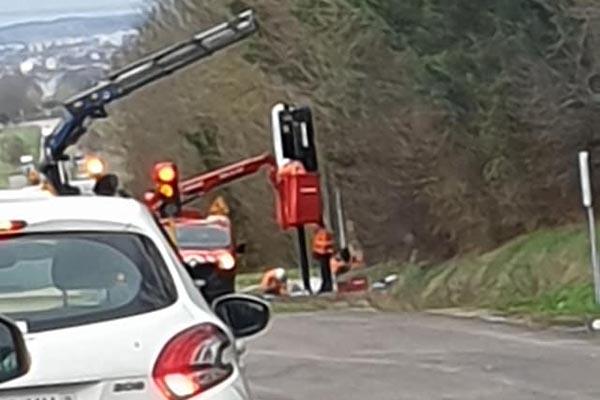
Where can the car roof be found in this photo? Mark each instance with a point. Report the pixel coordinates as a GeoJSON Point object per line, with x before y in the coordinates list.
{"type": "Point", "coordinates": [26, 193]}
{"type": "Point", "coordinates": [106, 211]}
{"type": "Point", "coordinates": [213, 223]}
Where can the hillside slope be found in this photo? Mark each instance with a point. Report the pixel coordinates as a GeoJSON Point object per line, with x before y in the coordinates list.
{"type": "Point", "coordinates": [450, 126]}
{"type": "Point", "coordinates": [544, 274]}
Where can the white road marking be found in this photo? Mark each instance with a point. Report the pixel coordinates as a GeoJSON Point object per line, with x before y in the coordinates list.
{"type": "Point", "coordinates": [357, 360]}
{"type": "Point", "coordinates": [328, 359]}
{"type": "Point", "coordinates": [267, 390]}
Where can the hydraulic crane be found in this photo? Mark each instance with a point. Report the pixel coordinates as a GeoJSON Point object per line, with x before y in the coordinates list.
{"type": "Point", "coordinates": [206, 243]}
{"type": "Point", "coordinates": [293, 173]}
{"type": "Point", "coordinates": [297, 195]}
{"type": "Point", "coordinates": [197, 186]}
{"type": "Point", "coordinates": [206, 182]}
{"type": "Point", "coordinates": [91, 104]}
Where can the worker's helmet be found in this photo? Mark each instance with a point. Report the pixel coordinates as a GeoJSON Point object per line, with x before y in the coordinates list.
{"type": "Point", "coordinates": [280, 274]}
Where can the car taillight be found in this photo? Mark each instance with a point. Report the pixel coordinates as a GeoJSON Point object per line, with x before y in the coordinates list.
{"type": "Point", "coordinates": [193, 361]}
{"type": "Point", "coordinates": [226, 262]}
{"type": "Point", "coordinates": [10, 227]}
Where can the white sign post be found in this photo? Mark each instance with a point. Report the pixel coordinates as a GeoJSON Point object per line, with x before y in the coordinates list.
{"type": "Point", "coordinates": [586, 192]}
{"type": "Point", "coordinates": [281, 161]}
{"type": "Point", "coordinates": [277, 139]}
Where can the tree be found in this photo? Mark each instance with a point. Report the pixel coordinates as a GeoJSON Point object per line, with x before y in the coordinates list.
{"type": "Point", "coordinates": [12, 147]}
{"type": "Point", "coordinates": [461, 116]}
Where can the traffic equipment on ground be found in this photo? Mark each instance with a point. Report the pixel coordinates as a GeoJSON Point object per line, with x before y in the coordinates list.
{"type": "Point", "coordinates": [355, 284]}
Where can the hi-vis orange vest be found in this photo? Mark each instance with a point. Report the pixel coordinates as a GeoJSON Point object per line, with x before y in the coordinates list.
{"type": "Point", "coordinates": [219, 207]}
{"type": "Point", "coordinates": [323, 243]}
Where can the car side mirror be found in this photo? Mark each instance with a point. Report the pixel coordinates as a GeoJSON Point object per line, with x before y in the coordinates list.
{"type": "Point", "coordinates": [14, 359]}
{"type": "Point", "coordinates": [240, 248]}
{"type": "Point", "coordinates": [245, 315]}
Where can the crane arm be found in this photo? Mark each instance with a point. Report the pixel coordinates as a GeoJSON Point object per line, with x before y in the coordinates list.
{"type": "Point", "coordinates": [91, 103]}
{"type": "Point", "coordinates": [202, 184]}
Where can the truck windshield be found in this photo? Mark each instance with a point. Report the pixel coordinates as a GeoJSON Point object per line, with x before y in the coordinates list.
{"type": "Point", "coordinates": [59, 280]}
{"type": "Point", "coordinates": [190, 237]}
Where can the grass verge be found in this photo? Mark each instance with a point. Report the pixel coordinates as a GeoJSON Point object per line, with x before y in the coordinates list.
{"type": "Point", "coordinates": [544, 275]}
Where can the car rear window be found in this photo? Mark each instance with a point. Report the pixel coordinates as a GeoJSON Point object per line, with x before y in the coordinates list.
{"type": "Point", "coordinates": [60, 280]}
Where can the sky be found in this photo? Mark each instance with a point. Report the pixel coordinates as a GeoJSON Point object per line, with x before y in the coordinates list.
{"type": "Point", "coordinates": [12, 11]}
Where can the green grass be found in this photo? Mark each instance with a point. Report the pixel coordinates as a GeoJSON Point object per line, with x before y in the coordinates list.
{"type": "Point", "coordinates": [30, 138]}
{"type": "Point", "coordinates": [546, 273]}
{"type": "Point", "coordinates": [577, 300]}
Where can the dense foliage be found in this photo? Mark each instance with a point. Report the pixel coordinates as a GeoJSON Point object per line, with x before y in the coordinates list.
{"type": "Point", "coordinates": [450, 125]}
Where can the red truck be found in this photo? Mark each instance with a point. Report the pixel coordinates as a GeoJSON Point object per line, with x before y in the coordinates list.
{"type": "Point", "coordinates": [208, 247]}
{"type": "Point", "coordinates": [206, 243]}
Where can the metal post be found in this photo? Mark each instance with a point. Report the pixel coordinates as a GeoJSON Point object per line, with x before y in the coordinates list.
{"type": "Point", "coordinates": [328, 217]}
{"type": "Point", "coordinates": [304, 265]}
{"type": "Point", "coordinates": [326, 276]}
{"type": "Point", "coordinates": [341, 219]}
{"type": "Point", "coordinates": [587, 200]}
{"type": "Point", "coordinates": [594, 247]}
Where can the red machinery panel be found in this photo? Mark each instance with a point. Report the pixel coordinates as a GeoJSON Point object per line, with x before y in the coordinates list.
{"type": "Point", "coordinates": [299, 197]}
{"type": "Point", "coordinates": [356, 284]}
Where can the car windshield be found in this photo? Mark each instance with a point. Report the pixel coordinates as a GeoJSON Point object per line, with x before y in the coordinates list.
{"type": "Point", "coordinates": [202, 237]}
{"type": "Point", "coordinates": [52, 281]}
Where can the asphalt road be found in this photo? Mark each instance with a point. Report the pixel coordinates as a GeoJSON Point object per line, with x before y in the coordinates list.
{"type": "Point", "coordinates": [364, 355]}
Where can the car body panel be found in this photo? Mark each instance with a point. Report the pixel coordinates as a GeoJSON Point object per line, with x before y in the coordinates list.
{"type": "Point", "coordinates": [90, 362]}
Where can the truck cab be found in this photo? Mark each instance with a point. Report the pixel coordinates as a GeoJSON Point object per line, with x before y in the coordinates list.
{"type": "Point", "coordinates": [208, 248]}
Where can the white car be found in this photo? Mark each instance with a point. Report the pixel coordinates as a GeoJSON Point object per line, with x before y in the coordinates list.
{"type": "Point", "coordinates": [107, 309]}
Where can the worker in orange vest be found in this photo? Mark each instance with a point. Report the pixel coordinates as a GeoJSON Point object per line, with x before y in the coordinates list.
{"type": "Point", "coordinates": [34, 179]}
{"type": "Point", "coordinates": [339, 265]}
{"type": "Point", "coordinates": [345, 261]}
{"type": "Point", "coordinates": [274, 282]}
{"type": "Point", "coordinates": [323, 251]}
